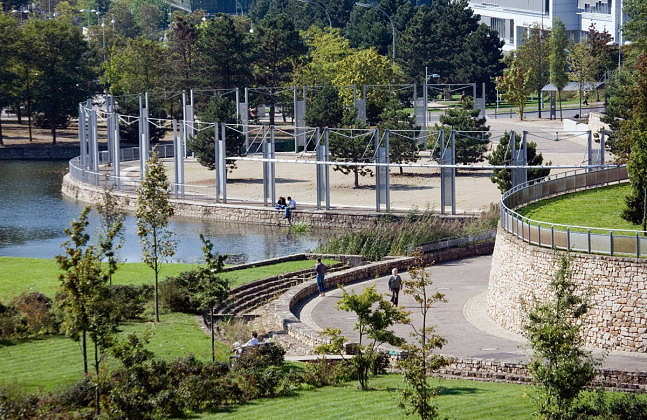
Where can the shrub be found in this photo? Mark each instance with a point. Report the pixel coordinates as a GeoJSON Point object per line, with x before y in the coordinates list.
{"type": "Point", "coordinates": [327, 372]}
{"type": "Point", "coordinates": [16, 405]}
{"type": "Point", "coordinates": [9, 322]}
{"type": "Point", "coordinates": [130, 301]}
{"type": "Point", "coordinates": [600, 405]}
{"type": "Point", "coordinates": [260, 357]}
{"type": "Point", "coordinates": [34, 310]}
{"type": "Point", "coordinates": [184, 292]}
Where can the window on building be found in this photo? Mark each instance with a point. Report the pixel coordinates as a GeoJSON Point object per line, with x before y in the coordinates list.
{"type": "Point", "coordinates": [511, 31]}
{"type": "Point", "coordinates": [499, 26]}
{"type": "Point", "coordinates": [593, 6]}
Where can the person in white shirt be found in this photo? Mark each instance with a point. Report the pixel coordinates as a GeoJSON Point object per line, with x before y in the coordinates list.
{"type": "Point", "coordinates": [254, 341]}
{"type": "Point", "coordinates": [292, 205]}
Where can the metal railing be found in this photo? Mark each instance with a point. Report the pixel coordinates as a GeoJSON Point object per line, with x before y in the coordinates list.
{"type": "Point", "coordinates": [593, 240]}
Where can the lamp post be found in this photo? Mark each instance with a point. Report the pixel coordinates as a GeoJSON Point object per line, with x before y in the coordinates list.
{"type": "Point", "coordinates": [375, 6]}
{"type": "Point", "coordinates": [320, 5]}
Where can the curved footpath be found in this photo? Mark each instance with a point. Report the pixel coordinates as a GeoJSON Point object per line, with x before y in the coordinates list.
{"type": "Point", "coordinates": [463, 320]}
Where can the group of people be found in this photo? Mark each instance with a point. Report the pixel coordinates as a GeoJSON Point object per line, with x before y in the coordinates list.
{"type": "Point", "coordinates": [395, 281]}
{"type": "Point", "coordinates": [287, 206]}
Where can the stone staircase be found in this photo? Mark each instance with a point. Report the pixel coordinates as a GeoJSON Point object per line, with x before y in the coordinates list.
{"type": "Point", "coordinates": [244, 299]}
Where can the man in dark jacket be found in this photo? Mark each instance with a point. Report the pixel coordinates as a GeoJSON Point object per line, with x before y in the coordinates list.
{"type": "Point", "coordinates": [395, 283]}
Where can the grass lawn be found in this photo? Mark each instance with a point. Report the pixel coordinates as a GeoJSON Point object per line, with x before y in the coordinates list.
{"type": "Point", "coordinates": [18, 275]}
{"type": "Point", "coordinates": [56, 361]}
{"type": "Point", "coordinates": [600, 207]}
{"type": "Point", "coordinates": [459, 399]}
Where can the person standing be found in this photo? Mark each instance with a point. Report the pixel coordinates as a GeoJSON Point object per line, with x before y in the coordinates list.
{"type": "Point", "coordinates": [320, 271]}
{"type": "Point", "coordinates": [395, 282]}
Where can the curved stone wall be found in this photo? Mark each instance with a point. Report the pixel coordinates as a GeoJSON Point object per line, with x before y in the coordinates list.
{"type": "Point", "coordinates": [617, 288]}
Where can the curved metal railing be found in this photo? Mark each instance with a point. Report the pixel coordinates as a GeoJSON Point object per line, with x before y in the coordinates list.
{"type": "Point", "coordinates": [587, 239]}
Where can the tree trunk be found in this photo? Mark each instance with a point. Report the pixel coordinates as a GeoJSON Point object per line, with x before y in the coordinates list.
{"type": "Point", "coordinates": [19, 113]}
{"type": "Point", "coordinates": [97, 391]}
{"type": "Point", "coordinates": [29, 119]}
{"type": "Point", "coordinates": [53, 134]}
{"type": "Point", "coordinates": [539, 102]}
{"type": "Point", "coordinates": [213, 338]}
{"type": "Point", "coordinates": [401, 170]}
{"type": "Point", "coordinates": [559, 98]}
{"type": "Point", "coordinates": [356, 177]}
{"type": "Point", "coordinates": [84, 351]}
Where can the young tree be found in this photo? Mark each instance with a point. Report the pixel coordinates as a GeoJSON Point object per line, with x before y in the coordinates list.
{"type": "Point", "coordinates": [560, 366]}
{"type": "Point", "coordinates": [278, 48]}
{"type": "Point", "coordinates": [353, 148]}
{"type": "Point", "coordinates": [111, 237]}
{"type": "Point", "coordinates": [325, 109]}
{"type": "Point", "coordinates": [558, 60]}
{"type": "Point", "coordinates": [66, 74]}
{"type": "Point", "coordinates": [402, 146]}
{"type": "Point", "coordinates": [601, 51]}
{"type": "Point", "coordinates": [515, 85]}
{"type": "Point", "coordinates": [636, 202]}
{"type": "Point", "coordinates": [213, 289]}
{"type": "Point", "coordinates": [502, 155]}
{"type": "Point", "coordinates": [471, 146]}
{"type": "Point", "coordinates": [584, 67]}
{"type": "Point", "coordinates": [418, 393]}
{"type": "Point", "coordinates": [225, 54]}
{"type": "Point", "coordinates": [375, 317]}
{"type": "Point", "coordinates": [533, 55]}
{"type": "Point", "coordinates": [154, 211]}
{"type": "Point", "coordinates": [220, 109]}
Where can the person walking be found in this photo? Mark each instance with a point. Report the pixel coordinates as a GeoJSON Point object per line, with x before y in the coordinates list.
{"type": "Point", "coordinates": [320, 271]}
{"type": "Point", "coordinates": [395, 282]}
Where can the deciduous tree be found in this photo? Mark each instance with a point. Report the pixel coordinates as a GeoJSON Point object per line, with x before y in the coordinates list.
{"type": "Point", "coordinates": [560, 366]}
{"type": "Point", "coordinates": [375, 317]}
{"type": "Point", "coordinates": [558, 60]}
{"type": "Point", "coordinates": [533, 55]}
{"type": "Point", "coordinates": [515, 85]}
{"type": "Point", "coordinates": [9, 35]}
{"type": "Point", "coordinates": [154, 211]}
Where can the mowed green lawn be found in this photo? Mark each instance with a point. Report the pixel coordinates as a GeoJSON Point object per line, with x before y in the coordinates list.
{"type": "Point", "coordinates": [18, 275]}
{"type": "Point", "coordinates": [601, 208]}
{"type": "Point", "coordinates": [459, 399]}
{"type": "Point", "coordinates": [56, 361]}
{"type": "Point", "coordinates": [53, 362]}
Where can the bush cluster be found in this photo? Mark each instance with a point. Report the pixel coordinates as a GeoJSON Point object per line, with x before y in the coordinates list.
{"type": "Point", "coordinates": [403, 237]}
{"type": "Point", "coordinates": [28, 315]}
{"type": "Point", "coordinates": [183, 292]}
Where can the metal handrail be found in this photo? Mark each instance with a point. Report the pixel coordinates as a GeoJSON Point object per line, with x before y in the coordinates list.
{"type": "Point", "coordinates": [588, 239]}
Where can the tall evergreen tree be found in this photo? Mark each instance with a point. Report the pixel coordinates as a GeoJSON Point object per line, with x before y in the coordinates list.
{"type": "Point", "coordinates": [225, 54]}
{"type": "Point", "coordinates": [9, 34]}
{"type": "Point", "coordinates": [325, 109]}
{"type": "Point", "coordinates": [558, 60]}
{"type": "Point", "coordinates": [403, 147]}
{"type": "Point", "coordinates": [279, 46]}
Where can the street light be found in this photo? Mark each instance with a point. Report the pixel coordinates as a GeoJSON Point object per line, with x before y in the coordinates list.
{"type": "Point", "coordinates": [375, 6]}
{"type": "Point", "coordinates": [320, 5]}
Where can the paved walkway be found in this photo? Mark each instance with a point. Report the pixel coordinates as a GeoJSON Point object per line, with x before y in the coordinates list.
{"type": "Point", "coordinates": [463, 320]}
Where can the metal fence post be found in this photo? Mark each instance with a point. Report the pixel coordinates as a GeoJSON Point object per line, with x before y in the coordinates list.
{"type": "Point", "coordinates": [611, 242]}
{"type": "Point", "coordinates": [588, 240]}
{"type": "Point", "coordinates": [568, 239]}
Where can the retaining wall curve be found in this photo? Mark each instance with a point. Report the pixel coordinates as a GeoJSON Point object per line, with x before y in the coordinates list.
{"type": "Point", "coordinates": [617, 287]}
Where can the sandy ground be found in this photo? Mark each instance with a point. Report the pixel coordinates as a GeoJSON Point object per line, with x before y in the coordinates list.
{"type": "Point", "coordinates": [417, 188]}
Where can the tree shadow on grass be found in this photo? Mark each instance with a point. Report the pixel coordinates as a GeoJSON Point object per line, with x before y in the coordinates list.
{"type": "Point", "coordinates": [459, 390]}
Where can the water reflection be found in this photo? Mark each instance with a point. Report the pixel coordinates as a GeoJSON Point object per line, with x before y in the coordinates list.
{"type": "Point", "coordinates": [33, 215]}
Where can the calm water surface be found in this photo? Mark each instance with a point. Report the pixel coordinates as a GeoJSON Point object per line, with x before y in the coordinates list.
{"type": "Point", "coordinates": [33, 214]}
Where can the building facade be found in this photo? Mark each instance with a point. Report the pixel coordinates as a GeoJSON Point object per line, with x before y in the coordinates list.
{"type": "Point", "coordinates": [513, 18]}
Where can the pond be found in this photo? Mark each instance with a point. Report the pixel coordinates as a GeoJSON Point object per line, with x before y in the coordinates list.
{"type": "Point", "coordinates": [34, 214]}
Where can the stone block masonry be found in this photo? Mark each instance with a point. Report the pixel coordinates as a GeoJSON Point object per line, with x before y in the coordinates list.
{"type": "Point", "coordinates": [617, 289]}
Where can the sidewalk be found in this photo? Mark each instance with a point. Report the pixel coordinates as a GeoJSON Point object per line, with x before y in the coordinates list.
{"type": "Point", "coordinates": [463, 320]}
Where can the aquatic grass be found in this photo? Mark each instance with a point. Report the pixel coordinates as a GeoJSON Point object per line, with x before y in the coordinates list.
{"type": "Point", "coordinates": [403, 237]}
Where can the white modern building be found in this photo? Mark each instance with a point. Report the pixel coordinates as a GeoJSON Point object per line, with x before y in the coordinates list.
{"type": "Point", "coordinates": [512, 18]}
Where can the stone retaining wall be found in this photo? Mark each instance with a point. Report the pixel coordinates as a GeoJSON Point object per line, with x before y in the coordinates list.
{"type": "Point", "coordinates": [39, 152]}
{"type": "Point", "coordinates": [497, 371]}
{"type": "Point", "coordinates": [617, 288]}
{"type": "Point", "coordinates": [237, 213]}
